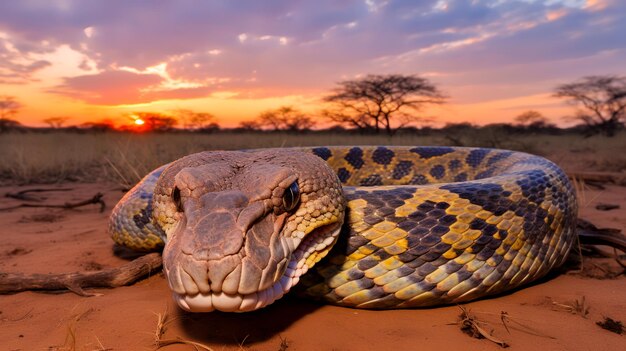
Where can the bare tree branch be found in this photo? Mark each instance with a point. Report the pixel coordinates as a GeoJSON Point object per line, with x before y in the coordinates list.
{"type": "Point", "coordinates": [56, 122]}
{"type": "Point", "coordinates": [285, 118]}
{"type": "Point", "coordinates": [76, 282]}
{"type": "Point", "coordinates": [8, 106]}
{"type": "Point", "coordinates": [377, 101]}
{"type": "Point", "coordinates": [603, 96]}
{"type": "Point", "coordinates": [96, 199]}
{"type": "Point", "coordinates": [192, 120]}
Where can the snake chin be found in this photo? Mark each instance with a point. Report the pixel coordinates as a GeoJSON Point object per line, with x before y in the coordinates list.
{"type": "Point", "coordinates": [309, 251]}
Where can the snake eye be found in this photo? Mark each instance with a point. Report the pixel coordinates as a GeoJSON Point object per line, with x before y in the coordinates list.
{"type": "Point", "coordinates": [177, 200]}
{"type": "Point", "coordinates": [291, 197]}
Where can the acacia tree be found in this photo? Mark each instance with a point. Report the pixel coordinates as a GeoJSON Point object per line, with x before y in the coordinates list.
{"type": "Point", "coordinates": [156, 121]}
{"type": "Point", "coordinates": [249, 125]}
{"type": "Point", "coordinates": [377, 101]}
{"type": "Point", "coordinates": [285, 118]}
{"type": "Point", "coordinates": [56, 122]}
{"type": "Point", "coordinates": [531, 118]}
{"type": "Point", "coordinates": [102, 125]}
{"type": "Point", "coordinates": [196, 120]}
{"type": "Point", "coordinates": [9, 106]}
{"type": "Point", "coordinates": [603, 102]}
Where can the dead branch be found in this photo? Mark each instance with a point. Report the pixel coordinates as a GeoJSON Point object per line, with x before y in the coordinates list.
{"type": "Point", "coordinates": [96, 199]}
{"type": "Point", "coordinates": [606, 207]}
{"type": "Point", "coordinates": [589, 234]}
{"type": "Point", "coordinates": [110, 278]}
{"type": "Point", "coordinates": [24, 194]}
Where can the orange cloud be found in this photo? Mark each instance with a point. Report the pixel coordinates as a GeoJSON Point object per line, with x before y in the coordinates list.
{"type": "Point", "coordinates": [556, 14]}
{"type": "Point", "coordinates": [123, 88]}
{"type": "Point", "coordinates": [595, 5]}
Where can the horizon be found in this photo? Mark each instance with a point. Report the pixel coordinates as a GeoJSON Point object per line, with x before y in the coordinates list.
{"type": "Point", "coordinates": [495, 59]}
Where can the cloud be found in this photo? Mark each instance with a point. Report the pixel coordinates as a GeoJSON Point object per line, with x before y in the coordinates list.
{"type": "Point", "coordinates": [19, 73]}
{"type": "Point", "coordinates": [15, 66]}
{"type": "Point", "coordinates": [285, 47]}
{"type": "Point", "coordinates": [123, 87]}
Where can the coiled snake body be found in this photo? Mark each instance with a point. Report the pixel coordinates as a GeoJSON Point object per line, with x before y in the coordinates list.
{"type": "Point", "coordinates": [366, 227]}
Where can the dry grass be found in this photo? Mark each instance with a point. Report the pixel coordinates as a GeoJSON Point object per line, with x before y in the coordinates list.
{"type": "Point", "coordinates": [160, 342]}
{"type": "Point", "coordinates": [123, 158]}
{"type": "Point", "coordinates": [478, 329]}
{"type": "Point", "coordinates": [578, 307]}
{"type": "Point", "coordinates": [70, 337]}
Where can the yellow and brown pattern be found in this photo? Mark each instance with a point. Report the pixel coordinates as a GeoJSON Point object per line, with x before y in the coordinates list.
{"type": "Point", "coordinates": [436, 225]}
{"type": "Point", "coordinates": [423, 225]}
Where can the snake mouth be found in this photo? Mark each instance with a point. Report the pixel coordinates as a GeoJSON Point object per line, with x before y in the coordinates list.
{"type": "Point", "coordinates": [307, 251]}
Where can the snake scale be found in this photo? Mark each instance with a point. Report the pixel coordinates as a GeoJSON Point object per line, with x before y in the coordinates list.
{"type": "Point", "coordinates": [367, 227]}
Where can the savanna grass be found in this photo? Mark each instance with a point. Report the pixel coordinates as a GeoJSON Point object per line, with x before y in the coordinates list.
{"type": "Point", "coordinates": [61, 156]}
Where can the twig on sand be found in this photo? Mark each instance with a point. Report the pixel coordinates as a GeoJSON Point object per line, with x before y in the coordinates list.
{"type": "Point", "coordinates": [579, 307]}
{"type": "Point", "coordinates": [159, 342]}
{"type": "Point", "coordinates": [76, 282]}
{"type": "Point", "coordinates": [70, 337]}
{"type": "Point", "coordinates": [284, 344]}
{"type": "Point", "coordinates": [96, 199]}
{"type": "Point", "coordinates": [589, 234]}
{"type": "Point", "coordinates": [243, 342]}
{"type": "Point", "coordinates": [18, 318]}
{"type": "Point", "coordinates": [507, 319]}
{"type": "Point", "coordinates": [471, 326]}
{"type": "Point", "coordinates": [25, 196]}
{"type": "Point", "coordinates": [606, 207]}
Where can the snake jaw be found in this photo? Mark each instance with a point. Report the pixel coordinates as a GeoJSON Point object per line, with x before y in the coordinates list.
{"type": "Point", "coordinates": [308, 251]}
{"type": "Point", "coordinates": [234, 240]}
{"type": "Point", "coordinates": [204, 277]}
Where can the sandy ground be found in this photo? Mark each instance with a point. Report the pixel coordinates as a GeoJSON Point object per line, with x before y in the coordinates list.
{"type": "Point", "coordinates": [54, 241]}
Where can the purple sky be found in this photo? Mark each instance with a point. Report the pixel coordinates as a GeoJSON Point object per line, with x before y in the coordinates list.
{"type": "Point", "coordinates": [201, 53]}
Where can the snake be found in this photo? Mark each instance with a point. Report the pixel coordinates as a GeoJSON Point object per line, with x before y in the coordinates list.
{"type": "Point", "coordinates": [373, 227]}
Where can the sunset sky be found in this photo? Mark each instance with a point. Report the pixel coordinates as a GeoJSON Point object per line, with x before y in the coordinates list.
{"type": "Point", "coordinates": [90, 60]}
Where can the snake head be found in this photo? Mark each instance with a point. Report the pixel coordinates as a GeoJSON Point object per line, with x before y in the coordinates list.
{"type": "Point", "coordinates": [242, 227]}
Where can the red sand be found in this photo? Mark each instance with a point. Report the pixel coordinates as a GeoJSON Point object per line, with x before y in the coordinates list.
{"type": "Point", "coordinates": [56, 241]}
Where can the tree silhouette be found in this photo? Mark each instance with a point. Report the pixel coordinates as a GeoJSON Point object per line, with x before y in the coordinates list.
{"type": "Point", "coordinates": [603, 102]}
{"type": "Point", "coordinates": [56, 122]}
{"type": "Point", "coordinates": [285, 118]}
{"type": "Point", "coordinates": [9, 106]}
{"type": "Point", "coordinates": [376, 101]}
{"type": "Point", "coordinates": [531, 118]}
{"type": "Point", "coordinates": [103, 125]}
{"type": "Point", "coordinates": [155, 121]}
{"type": "Point", "coordinates": [249, 125]}
{"type": "Point", "coordinates": [196, 120]}
{"type": "Point", "coordinates": [9, 124]}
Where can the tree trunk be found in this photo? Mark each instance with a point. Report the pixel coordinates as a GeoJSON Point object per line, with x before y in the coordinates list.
{"type": "Point", "coordinates": [109, 278]}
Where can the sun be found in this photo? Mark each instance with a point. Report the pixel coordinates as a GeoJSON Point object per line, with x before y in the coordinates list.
{"type": "Point", "coordinates": [139, 122]}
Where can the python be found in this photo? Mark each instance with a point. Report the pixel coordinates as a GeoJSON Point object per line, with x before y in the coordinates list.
{"type": "Point", "coordinates": [365, 226]}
